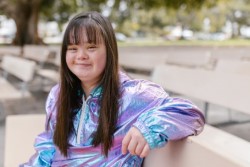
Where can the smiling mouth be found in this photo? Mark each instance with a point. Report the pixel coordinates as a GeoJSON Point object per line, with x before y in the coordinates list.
{"type": "Point", "coordinates": [79, 64]}
{"type": "Point", "coordinates": [83, 66]}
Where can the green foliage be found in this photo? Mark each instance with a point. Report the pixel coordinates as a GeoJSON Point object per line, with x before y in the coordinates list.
{"type": "Point", "coordinates": [142, 16]}
{"type": "Point", "coordinates": [175, 4]}
{"type": "Point", "coordinates": [59, 10]}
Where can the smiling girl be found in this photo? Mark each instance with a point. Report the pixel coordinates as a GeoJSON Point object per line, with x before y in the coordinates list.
{"type": "Point", "coordinates": [97, 115]}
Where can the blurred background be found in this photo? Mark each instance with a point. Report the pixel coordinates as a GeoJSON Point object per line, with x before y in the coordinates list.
{"type": "Point", "coordinates": [208, 37]}
{"type": "Point", "coordinates": [43, 21]}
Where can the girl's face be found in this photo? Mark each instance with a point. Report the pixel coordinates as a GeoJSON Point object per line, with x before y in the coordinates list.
{"type": "Point", "coordinates": [87, 61]}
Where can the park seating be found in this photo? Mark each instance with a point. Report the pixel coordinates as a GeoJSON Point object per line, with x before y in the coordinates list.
{"type": "Point", "coordinates": [190, 58]}
{"type": "Point", "coordinates": [139, 63]}
{"type": "Point", "coordinates": [51, 74]}
{"type": "Point", "coordinates": [56, 52]}
{"type": "Point", "coordinates": [229, 53]}
{"type": "Point", "coordinates": [22, 70]}
{"type": "Point", "coordinates": [49, 78]}
{"type": "Point", "coordinates": [138, 76]}
{"type": "Point", "coordinates": [218, 88]}
{"type": "Point", "coordinates": [233, 66]}
{"type": "Point", "coordinates": [20, 134]}
{"type": "Point", "coordinates": [245, 58]}
{"type": "Point", "coordinates": [10, 50]}
{"type": "Point", "coordinates": [38, 53]}
{"type": "Point", "coordinates": [140, 58]}
{"type": "Point", "coordinates": [212, 147]}
{"type": "Point", "coordinates": [49, 55]}
{"type": "Point", "coordinates": [19, 67]}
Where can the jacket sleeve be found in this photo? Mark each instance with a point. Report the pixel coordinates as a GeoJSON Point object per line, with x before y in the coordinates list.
{"type": "Point", "coordinates": [170, 119]}
{"type": "Point", "coordinates": [44, 146]}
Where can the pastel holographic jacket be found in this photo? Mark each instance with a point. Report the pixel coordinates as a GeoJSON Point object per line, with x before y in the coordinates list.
{"type": "Point", "coordinates": [143, 104]}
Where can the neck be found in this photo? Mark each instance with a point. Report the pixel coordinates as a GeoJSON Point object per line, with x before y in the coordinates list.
{"type": "Point", "coordinates": [87, 88]}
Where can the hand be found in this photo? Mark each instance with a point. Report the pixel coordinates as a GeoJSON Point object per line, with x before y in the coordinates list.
{"type": "Point", "coordinates": [135, 143]}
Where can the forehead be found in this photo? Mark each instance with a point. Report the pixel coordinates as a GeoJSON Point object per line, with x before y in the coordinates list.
{"type": "Point", "coordinates": [85, 33]}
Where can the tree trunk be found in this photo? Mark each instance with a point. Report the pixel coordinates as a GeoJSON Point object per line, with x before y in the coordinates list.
{"type": "Point", "coordinates": [26, 18]}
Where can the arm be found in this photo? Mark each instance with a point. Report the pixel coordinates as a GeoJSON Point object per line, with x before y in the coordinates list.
{"type": "Point", "coordinates": [174, 119]}
{"type": "Point", "coordinates": [44, 146]}
{"type": "Point", "coordinates": [160, 118]}
{"type": "Point", "coordinates": [154, 128]}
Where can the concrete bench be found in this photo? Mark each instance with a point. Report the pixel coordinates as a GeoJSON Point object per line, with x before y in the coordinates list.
{"type": "Point", "coordinates": [38, 53]}
{"type": "Point", "coordinates": [229, 52]}
{"type": "Point", "coordinates": [141, 58]}
{"type": "Point", "coordinates": [51, 76]}
{"type": "Point", "coordinates": [9, 92]}
{"type": "Point", "coordinates": [138, 76]}
{"type": "Point", "coordinates": [21, 69]}
{"type": "Point", "coordinates": [233, 66]}
{"type": "Point", "coordinates": [190, 58]}
{"type": "Point", "coordinates": [245, 58]}
{"type": "Point", "coordinates": [136, 60]}
{"type": "Point", "coordinates": [20, 134]}
{"type": "Point", "coordinates": [10, 50]}
{"type": "Point", "coordinates": [139, 63]}
{"type": "Point", "coordinates": [209, 86]}
{"type": "Point", "coordinates": [212, 147]}
{"type": "Point", "coordinates": [56, 50]}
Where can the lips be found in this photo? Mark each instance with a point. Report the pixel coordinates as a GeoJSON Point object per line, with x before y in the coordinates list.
{"type": "Point", "coordinates": [82, 64]}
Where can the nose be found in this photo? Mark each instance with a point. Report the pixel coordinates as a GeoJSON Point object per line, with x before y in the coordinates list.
{"type": "Point", "coordinates": [82, 54]}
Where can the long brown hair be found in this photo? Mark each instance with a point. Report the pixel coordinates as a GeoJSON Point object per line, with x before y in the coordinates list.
{"type": "Point", "coordinates": [96, 26]}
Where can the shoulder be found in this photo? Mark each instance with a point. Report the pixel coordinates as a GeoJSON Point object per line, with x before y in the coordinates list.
{"type": "Point", "coordinates": [141, 88]}
{"type": "Point", "coordinates": [54, 92]}
{"type": "Point", "coordinates": [52, 98]}
{"type": "Point", "coordinates": [50, 106]}
{"type": "Point", "coordinates": [140, 95]}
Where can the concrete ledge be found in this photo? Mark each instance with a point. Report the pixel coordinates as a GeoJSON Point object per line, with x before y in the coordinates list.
{"type": "Point", "coordinates": [212, 147]}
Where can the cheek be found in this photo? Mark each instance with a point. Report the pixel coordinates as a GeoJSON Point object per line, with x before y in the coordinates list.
{"type": "Point", "coordinates": [68, 60]}
{"type": "Point", "coordinates": [103, 62]}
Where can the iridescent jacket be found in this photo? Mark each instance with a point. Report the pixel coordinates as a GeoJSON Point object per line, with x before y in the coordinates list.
{"type": "Point", "coordinates": [143, 104]}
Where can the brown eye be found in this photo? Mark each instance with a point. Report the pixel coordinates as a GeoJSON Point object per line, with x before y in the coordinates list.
{"type": "Point", "coordinates": [72, 48]}
{"type": "Point", "coordinates": [92, 47]}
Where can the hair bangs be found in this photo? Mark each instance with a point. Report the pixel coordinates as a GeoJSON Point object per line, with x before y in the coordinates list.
{"type": "Point", "coordinates": [86, 31]}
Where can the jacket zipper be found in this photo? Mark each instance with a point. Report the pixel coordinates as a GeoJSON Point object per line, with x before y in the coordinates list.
{"type": "Point", "coordinates": [81, 122]}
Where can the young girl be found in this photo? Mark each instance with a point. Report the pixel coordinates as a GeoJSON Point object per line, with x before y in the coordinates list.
{"type": "Point", "coordinates": [97, 115]}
